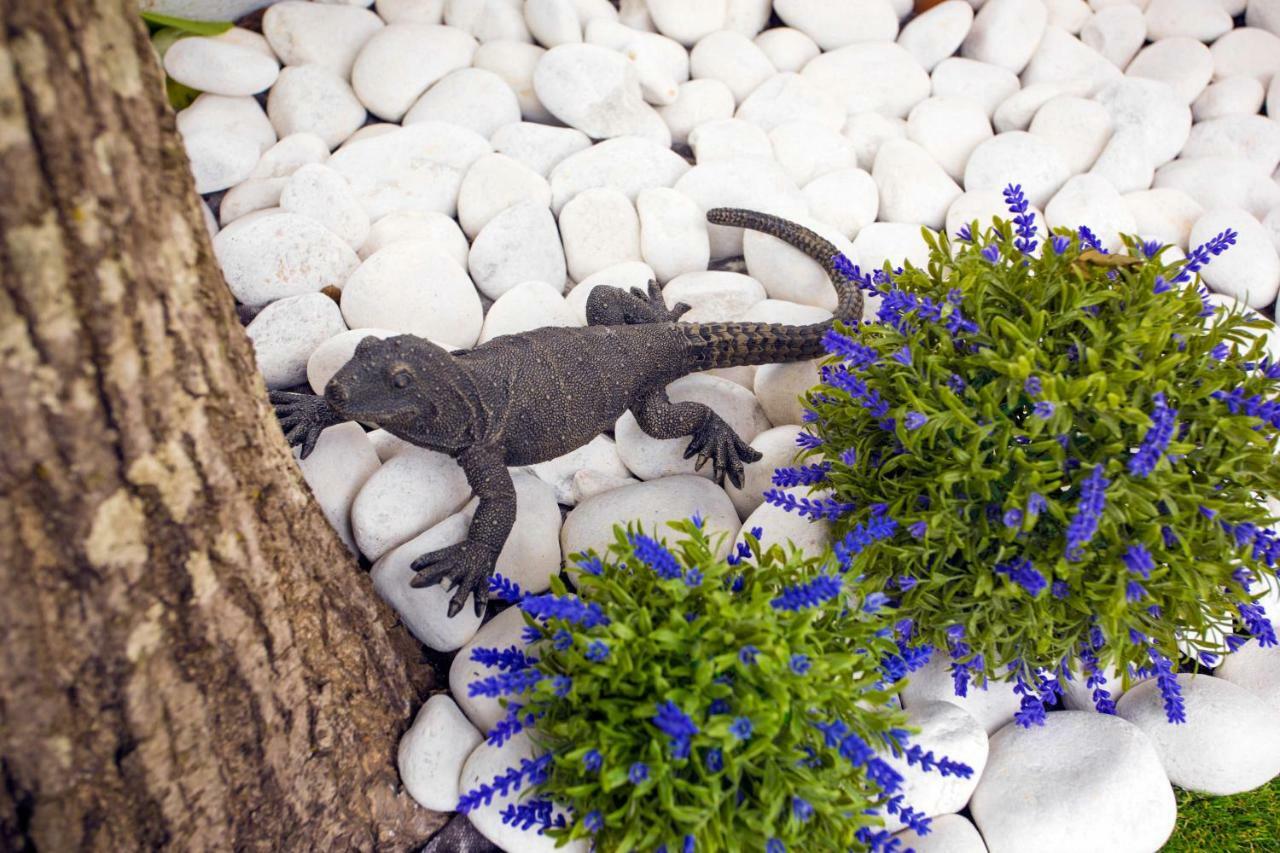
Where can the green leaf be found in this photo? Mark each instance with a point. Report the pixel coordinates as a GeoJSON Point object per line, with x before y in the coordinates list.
{"type": "Point", "coordinates": [180, 96]}
{"type": "Point", "coordinates": [199, 28]}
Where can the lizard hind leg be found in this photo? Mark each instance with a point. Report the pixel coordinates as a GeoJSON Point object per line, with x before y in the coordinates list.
{"type": "Point", "coordinates": [711, 439]}
{"type": "Point", "coordinates": [613, 306]}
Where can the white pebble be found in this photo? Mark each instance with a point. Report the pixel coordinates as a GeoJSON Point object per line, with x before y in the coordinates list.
{"type": "Point", "coordinates": [687, 22]}
{"type": "Point", "coordinates": [519, 244]}
{"type": "Point", "coordinates": [993, 706]}
{"type": "Point", "coordinates": [1092, 201]}
{"type": "Point", "coordinates": [623, 276]}
{"type": "Point", "coordinates": [492, 184]}
{"type": "Point", "coordinates": [1222, 182]}
{"type": "Point", "coordinates": [401, 61]}
{"type": "Point", "coordinates": [781, 527]}
{"type": "Point", "coordinates": [787, 48]}
{"type": "Point", "coordinates": [1263, 14]}
{"type": "Point", "coordinates": [1190, 18]}
{"type": "Point", "coordinates": [599, 456]}
{"type": "Point", "coordinates": [788, 273]}
{"type": "Point", "coordinates": [661, 64]}
{"type": "Point", "coordinates": [1246, 137]}
{"type": "Point", "coordinates": [744, 182]}
{"type": "Point", "coordinates": [300, 33]}
{"type": "Point", "coordinates": [487, 20]}
{"type": "Point", "coordinates": [539, 146]}
{"type": "Point", "coordinates": [250, 196]}
{"type": "Point", "coordinates": [872, 76]}
{"type": "Point", "coordinates": [432, 752]}
{"type": "Point", "coordinates": [412, 288]}
{"type": "Point", "coordinates": [436, 230]}
{"type": "Point", "coordinates": [1184, 63]}
{"type": "Point", "coordinates": [894, 242]}
{"type": "Point", "coordinates": [1078, 127]}
{"type": "Point", "coordinates": [989, 85]}
{"type": "Point", "coordinates": [291, 152]}
{"type": "Point", "coordinates": [1006, 33]}
{"type": "Point", "coordinates": [470, 97]}
{"type": "Point", "coordinates": [1070, 15]}
{"type": "Point", "coordinates": [281, 254]}
{"type": "Point", "coordinates": [1153, 109]}
{"type": "Point", "coordinates": [697, 102]}
{"type": "Point", "coordinates": [529, 305]}
{"type": "Point", "coordinates": [414, 490]}
{"type": "Point", "coordinates": [834, 25]}
{"type": "Point", "coordinates": [730, 139]}
{"type": "Point", "coordinates": [1164, 214]}
{"type": "Point", "coordinates": [597, 91]}
{"type": "Point", "coordinates": [913, 187]}
{"type": "Point", "coordinates": [338, 466]}
{"type": "Point", "coordinates": [948, 128]}
{"type": "Point", "coordinates": [242, 117]}
{"type": "Point", "coordinates": [936, 34]}
{"type": "Point", "coordinates": [515, 62]}
{"type": "Point", "coordinates": [220, 67]}
{"type": "Point", "coordinates": [1063, 58]}
{"type": "Point", "coordinates": [314, 99]}
{"type": "Point", "coordinates": [946, 730]}
{"type": "Point", "coordinates": [868, 131]}
{"type": "Point", "coordinates": [410, 12]}
{"type": "Point", "coordinates": [777, 447]}
{"type": "Point", "coordinates": [1248, 271]}
{"type": "Point", "coordinates": [501, 632]}
{"type": "Point", "coordinates": [328, 358]}
{"type": "Point", "coordinates": [780, 389]}
{"type": "Point", "coordinates": [627, 164]}
{"type": "Point", "coordinates": [733, 59]}
{"type": "Point", "coordinates": [673, 233]}
{"type": "Point", "coordinates": [806, 150]}
{"type": "Point", "coordinates": [285, 333]}
{"type": "Point", "coordinates": [320, 193]}
{"type": "Point", "coordinates": [713, 295]}
{"type": "Point", "coordinates": [599, 228]}
{"type": "Point", "coordinates": [791, 97]}
{"type": "Point", "coordinates": [847, 200]}
{"type": "Point", "coordinates": [1239, 95]}
{"type": "Point", "coordinates": [747, 16]}
{"type": "Point", "coordinates": [1017, 112]}
{"type": "Point", "coordinates": [948, 833]}
{"type": "Point", "coordinates": [552, 22]}
{"type": "Point", "coordinates": [1117, 32]}
{"type": "Point", "coordinates": [1021, 158]}
{"type": "Point", "coordinates": [1247, 51]}
{"type": "Point", "coordinates": [983, 206]}
{"type": "Point", "coordinates": [1256, 669]}
{"type": "Point", "coordinates": [219, 159]}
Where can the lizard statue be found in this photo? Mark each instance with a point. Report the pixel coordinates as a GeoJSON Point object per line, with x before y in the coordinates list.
{"type": "Point", "coordinates": [533, 396]}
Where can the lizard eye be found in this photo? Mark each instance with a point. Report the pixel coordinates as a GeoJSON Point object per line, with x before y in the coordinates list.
{"type": "Point", "coordinates": [401, 379]}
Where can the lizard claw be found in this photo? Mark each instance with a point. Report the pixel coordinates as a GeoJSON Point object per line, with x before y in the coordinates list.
{"type": "Point", "coordinates": [467, 566]}
{"type": "Point", "coordinates": [657, 305]}
{"type": "Point", "coordinates": [717, 443]}
{"type": "Point", "coordinates": [302, 417]}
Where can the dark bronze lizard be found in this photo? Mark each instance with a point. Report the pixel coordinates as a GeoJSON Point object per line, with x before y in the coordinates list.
{"type": "Point", "coordinates": [533, 396]}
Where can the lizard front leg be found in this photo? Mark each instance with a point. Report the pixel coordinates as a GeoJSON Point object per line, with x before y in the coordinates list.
{"type": "Point", "coordinates": [711, 438]}
{"type": "Point", "coordinates": [303, 417]}
{"type": "Point", "coordinates": [613, 306]}
{"type": "Point", "coordinates": [469, 564]}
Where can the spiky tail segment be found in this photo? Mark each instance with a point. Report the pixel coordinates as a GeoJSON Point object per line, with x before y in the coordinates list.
{"type": "Point", "coordinates": [739, 344]}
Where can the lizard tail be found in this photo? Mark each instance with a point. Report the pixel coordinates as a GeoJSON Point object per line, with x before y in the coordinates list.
{"type": "Point", "coordinates": [743, 343]}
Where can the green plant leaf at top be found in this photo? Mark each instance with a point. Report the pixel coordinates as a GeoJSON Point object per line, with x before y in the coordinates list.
{"type": "Point", "coordinates": [199, 28]}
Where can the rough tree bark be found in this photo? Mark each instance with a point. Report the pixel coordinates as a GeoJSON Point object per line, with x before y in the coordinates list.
{"type": "Point", "coordinates": [189, 658]}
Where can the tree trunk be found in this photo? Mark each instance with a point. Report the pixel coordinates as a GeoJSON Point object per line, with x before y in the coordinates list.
{"type": "Point", "coordinates": [189, 658]}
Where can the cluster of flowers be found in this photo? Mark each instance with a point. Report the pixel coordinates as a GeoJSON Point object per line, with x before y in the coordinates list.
{"type": "Point", "coordinates": [675, 681]}
{"type": "Point", "coordinates": [1049, 462]}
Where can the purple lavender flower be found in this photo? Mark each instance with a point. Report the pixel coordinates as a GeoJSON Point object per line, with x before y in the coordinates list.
{"type": "Point", "coordinates": [802, 475]}
{"type": "Point", "coordinates": [1093, 499]}
{"type": "Point", "coordinates": [801, 809]}
{"type": "Point", "coordinates": [597, 650]}
{"type": "Point", "coordinates": [828, 508]}
{"type": "Point", "coordinates": [857, 355]}
{"type": "Point", "coordinates": [1088, 238]}
{"type": "Point", "coordinates": [653, 554]}
{"type": "Point", "coordinates": [677, 726]}
{"type": "Point", "coordinates": [741, 728]}
{"type": "Point", "coordinates": [1156, 438]}
{"type": "Point", "coordinates": [964, 235]}
{"type": "Point", "coordinates": [1024, 219]}
{"type": "Point", "coordinates": [808, 441]}
{"type": "Point", "coordinates": [1256, 623]}
{"type": "Point", "coordinates": [1151, 248]}
{"type": "Point", "coordinates": [1012, 518]}
{"type": "Point", "coordinates": [775, 845]}
{"type": "Point", "coordinates": [592, 761]}
{"type": "Point", "coordinates": [504, 588]}
{"type": "Point", "coordinates": [1060, 590]}
{"type": "Point", "coordinates": [569, 608]}
{"type": "Point", "coordinates": [1032, 386]}
{"type": "Point", "coordinates": [747, 654]}
{"type": "Point", "coordinates": [1043, 409]}
{"type": "Point", "coordinates": [1134, 592]}
{"type": "Point", "coordinates": [991, 253]}
{"type": "Point", "coordinates": [902, 356]}
{"type": "Point", "coordinates": [918, 529]}
{"type": "Point", "coordinates": [915, 420]}
{"type": "Point", "coordinates": [1035, 503]}
{"type": "Point", "coordinates": [1138, 560]}
{"type": "Point", "coordinates": [593, 821]}
{"type": "Point", "coordinates": [1020, 571]}
{"type": "Point", "coordinates": [800, 664]}
{"type": "Point", "coordinates": [638, 772]}
{"type": "Point", "coordinates": [1220, 352]}
{"type": "Point", "coordinates": [1202, 254]}
{"type": "Point", "coordinates": [1060, 244]}
{"type": "Point", "coordinates": [1160, 285]}
{"type": "Point", "coordinates": [814, 593]}
{"type": "Point", "coordinates": [1170, 691]}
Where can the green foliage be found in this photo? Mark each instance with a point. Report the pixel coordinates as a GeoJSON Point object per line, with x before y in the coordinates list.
{"type": "Point", "coordinates": [1242, 823]}
{"type": "Point", "coordinates": [165, 30]}
{"type": "Point", "coordinates": [682, 640]}
{"type": "Point", "coordinates": [962, 458]}
{"type": "Point", "coordinates": [156, 21]}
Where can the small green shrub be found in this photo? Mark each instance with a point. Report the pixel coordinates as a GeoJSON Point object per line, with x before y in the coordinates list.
{"type": "Point", "coordinates": [1050, 461]}
{"type": "Point", "coordinates": [689, 702]}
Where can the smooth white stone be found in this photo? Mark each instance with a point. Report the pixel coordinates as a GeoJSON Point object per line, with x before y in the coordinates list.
{"type": "Point", "coordinates": [1078, 696]}
{"type": "Point", "coordinates": [519, 244]}
{"type": "Point", "coordinates": [1063, 58]}
{"type": "Point", "coordinates": [1248, 51]}
{"type": "Point", "coordinates": [1256, 669]}
{"type": "Point", "coordinates": [1185, 64]}
{"type": "Point", "coordinates": [289, 154]}
{"type": "Point", "coordinates": [747, 16]}
{"type": "Point", "coordinates": [300, 33]}
{"type": "Point", "coordinates": [697, 102]}
{"type": "Point", "coordinates": [515, 62]}
{"type": "Point", "coordinates": [868, 131]}
{"type": "Point", "coordinates": [1124, 162]}
{"type": "Point", "coordinates": [552, 22]}
{"type": "Point", "coordinates": [425, 611]}
{"type": "Point", "coordinates": [948, 833]}
{"type": "Point", "coordinates": [1246, 137]}
{"type": "Point", "coordinates": [871, 77]}
{"type": "Point", "coordinates": [417, 168]}
{"type": "Point", "coordinates": [594, 10]}
{"type": "Point", "coordinates": [1021, 158]}
{"type": "Point", "coordinates": [673, 233]}
{"type": "Point", "coordinates": [494, 183]}
{"type": "Point", "coordinates": [538, 146]}
{"type": "Point", "coordinates": [218, 159]}
{"type": "Point", "coordinates": [204, 10]}
{"type": "Point", "coordinates": [483, 765]}
{"type": "Point", "coordinates": [779, 388]}
{"type": "Point", "coordinates": [948, 129]}
{"type": "Point", "coordinates": [432, 752]}
{"type": "Point", "coordinates": [1239, 95]}
{"type": "Point", "coordinates": [652, 458]}
{"type": "Point", "coordinates": [651, 504]}
{"type": "Point", "coordinates": [627, 164]}
{"type": "Point", "coordinates": [588, 484]}
{"type": "Point", "coordinates": [239, 117]}
{"type": "Point", "coordinates": [713, 295]}
{"type": "Point", "coordinates": [412, 491]}
{"type": "Point", "coordinates": [329, 357]}
{"type": "Point", "coordinates": [936, 34]}
{"type": "Point", "coordinates": [913, 187]}
{"type": "Point", "coordinates": [778, 449]}
{"type": "Point", "coordinates": [469, 97]}
{"type": "Point", "coordinates": [314, 99]}
{"type": "Point", "coordinates": [435, 230]}
{"type": "Point", "coordinates": [791, 97]}
{"type": "Point", "coordinates": [281, 254]}
{"type": "Point", "coordinates": [286, 332]}
{"type": "Point", "coordinates": [807, 150]}
{"type": "Point", "coordinates": [410, 12]}
{"type": "Point", "coordinates": [597, 91]}
{"type": "Point", "coordinates": [386, 444]}
{"type": "Point", "coordinates": [983, 206]}
{"type": "Point", "coordinates": [1250, 270]}
{"type": "Point", "coordinates": [1189, 18]}
{"type": "Point", "coordinates": [598, 456]}
{"type": "Point", "coordinates": [989, 85]}
{"type": "Point", "coordinates": [661, 64]}
{"type": "Point", "coordinates": [1272, 223]}
{"type": "Point", "coordinates": [894, 242]}
{"type": "Point", "coordinates": [412, 288]}
{"type": "Point", "coordinates": [488, 20]}
{"type": "Point", "coordinates": [687, 22]}
{"type": "Point", "coordinates": [531, 554]}
{"type": "Point", "coordinates": [1078, 128]}
{"type": "Point", "coordinates": [321, 194]}
{"type": "Point", "coordinates": [788, 273]}
{"type": "Point", "coordinates": [369, 131]}
{"type": "Point", "coordinates": [834, 25]}
{"type": "Point", "coordinates": [528, 305]}
{"type": "Point", "coordinates": [1018, 111]}
{"type": "Point", "coordinates": [219, 66]}
{"type": "Point", "coordinates": [945, 729]}
{"type": "Point", "coordinates": [1152, 108]}
{"type": "Point", "coordinates": [1092, 201]}
{"type": "Point", "coordinates": [1040, 780]}
{"type": "Point", "coordinates": [733, 59]}
{"type": "Point", "coordinates": [1226, 746]}
{"type": "Point", "coordinates": [847, 200]}
{"type": "Point", "coordinates": [787, 48]}
{"type": "Point", "coordinates": [1117, 32]}
{"type": "Point", "coordinates": [1222, 182]}
{"type": "Point", "coordinates": [1099, 5]}
{"type": "Point", "coordinates": [1165, 214]}
{"type": "Point", "coordinates": [501, 632]}
{"type": "Point", "coordinates": [746, 182]}
{"type": "Point", "coordinates": [1263, 14]}
{"type": "Point", "coordinates": [1070, 15]}
{"type": "Point", "coordinates": [342, 460]}
{"type": "Point", "coordinates": [1006, 33]}
{"type": "Point", "coordinates": [730, 139]}
{"type": "Point", "coordinates": [785, 312]}
{"type": "Point", "coordinates": [401, 61]}
{"type": "Point", "coordinates": [623, 276]}
{"type": "Point", "coordinates": [788, 529]}
{"type": "Point", "coordinates": [599, 228]}
{"type": "Point", "coordinates": [992, 707]}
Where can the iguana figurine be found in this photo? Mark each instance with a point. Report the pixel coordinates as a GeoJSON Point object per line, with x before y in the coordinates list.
{"type": "Point", "coordinates": [530, 397]}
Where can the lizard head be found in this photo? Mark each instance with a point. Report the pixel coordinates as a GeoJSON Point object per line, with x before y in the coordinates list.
{"type": "Point", "coordinates": [410, 387]}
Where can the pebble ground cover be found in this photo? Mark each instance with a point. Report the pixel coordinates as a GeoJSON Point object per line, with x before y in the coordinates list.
{"type": "Point", "coordinates": [462, 170]}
